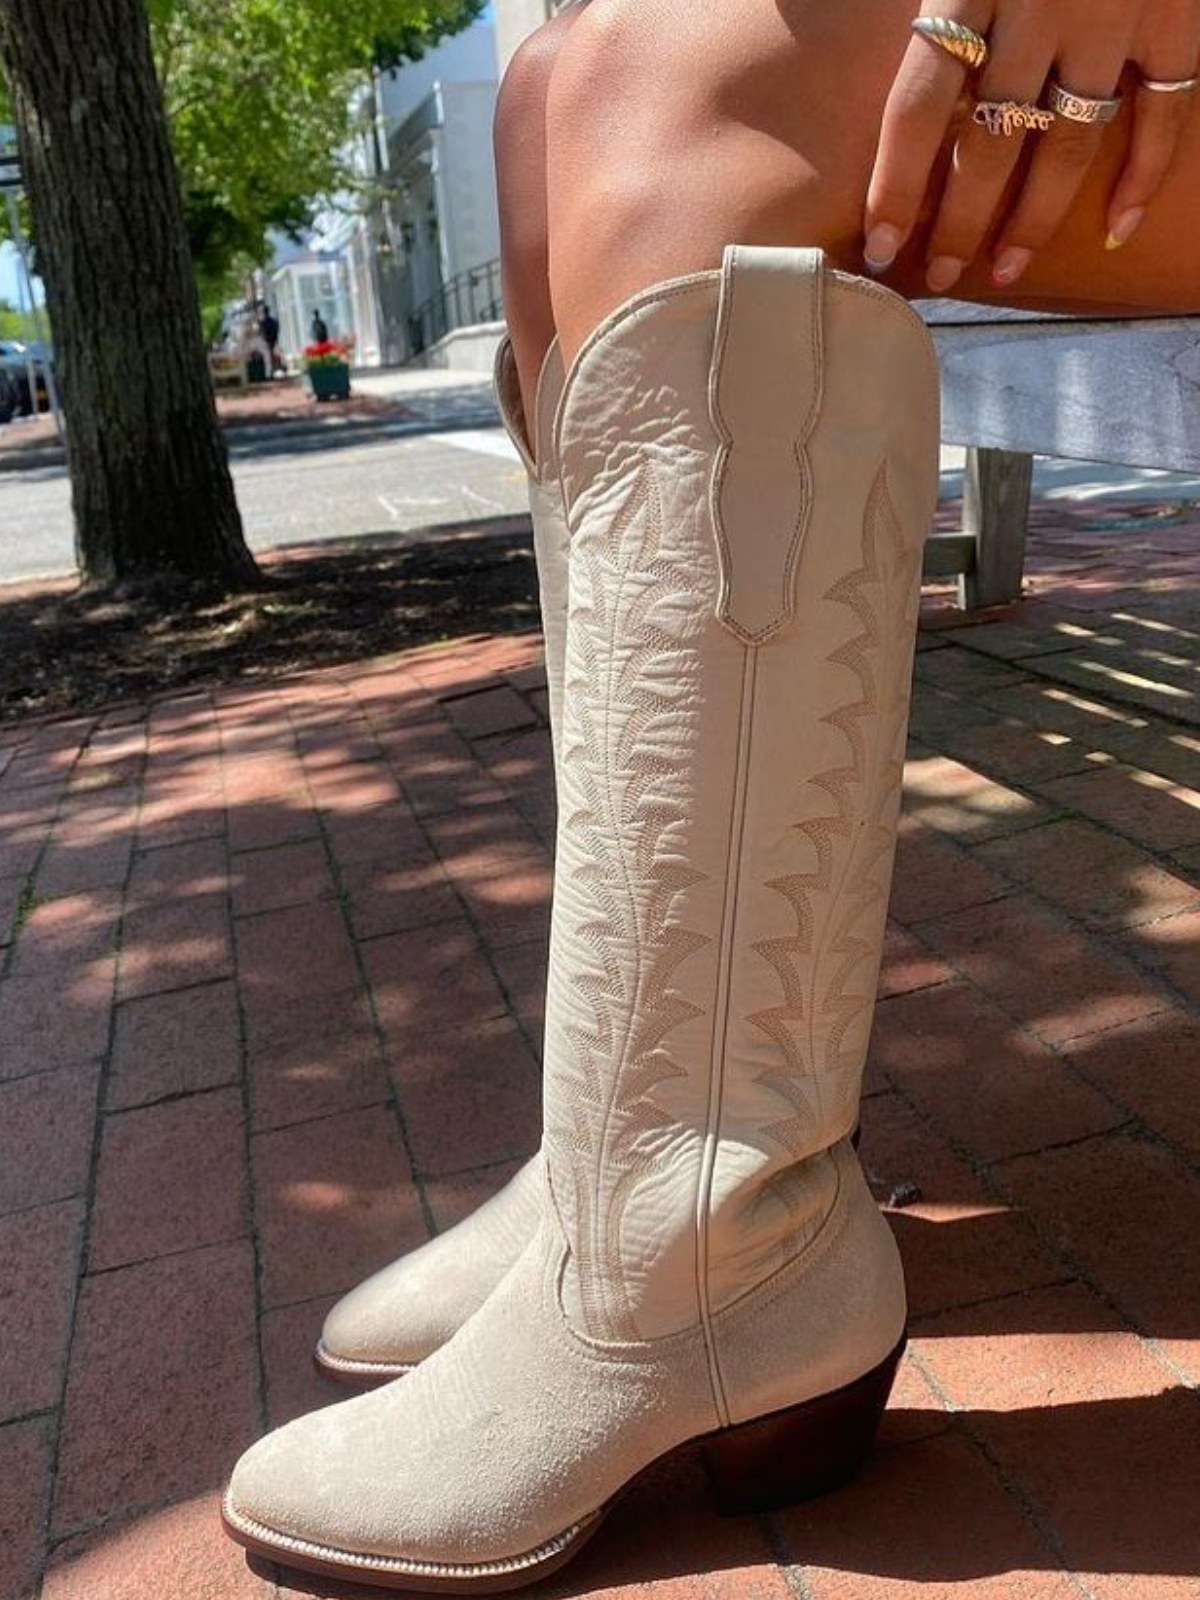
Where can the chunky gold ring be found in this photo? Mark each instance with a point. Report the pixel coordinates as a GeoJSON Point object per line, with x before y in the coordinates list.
{"type": "Point", "coordinates": [1005, 117]}
{"type": "Point", "coordinates": [963, 43]}
{"type": "Point", "coordinates": [1170, 85]}
{"type": "Point", "coordinates": [1080, 107]}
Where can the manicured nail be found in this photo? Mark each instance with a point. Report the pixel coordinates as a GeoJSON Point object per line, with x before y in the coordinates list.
{"type": "Point", "coordinates": [882, 246]}
{"type": "Point", "coordinates": [1124, 228]}
{"type": "Point", "coordinates": [1009, 265]}
{"type": "Point", "coordinates": [943, 273]}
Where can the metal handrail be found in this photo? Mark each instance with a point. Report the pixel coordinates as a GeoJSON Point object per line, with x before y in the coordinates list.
{"type": "Point", "coordinates": [472, 297]}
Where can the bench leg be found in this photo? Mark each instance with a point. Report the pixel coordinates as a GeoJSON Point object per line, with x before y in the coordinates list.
{"type": "Point", "coordinates": [996, 497]}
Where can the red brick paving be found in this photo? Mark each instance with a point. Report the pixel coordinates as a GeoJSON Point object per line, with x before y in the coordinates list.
{"type": "Point", "coordinates": [230, 1086]}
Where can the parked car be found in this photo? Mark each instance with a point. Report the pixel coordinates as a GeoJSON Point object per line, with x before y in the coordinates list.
{"type": "Point", "coordinates": [15, 396]}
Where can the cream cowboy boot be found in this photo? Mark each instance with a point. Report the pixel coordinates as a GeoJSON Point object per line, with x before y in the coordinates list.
{"type": "Point", "coordinates": [397, 1317]}
{"type": "Point", "coordinates": [749, 462]}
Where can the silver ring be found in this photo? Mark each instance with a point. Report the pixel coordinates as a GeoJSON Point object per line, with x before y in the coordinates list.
{"type": "Point", "coordinates": [1081, 107]}
{"type": "Point", "coordinates": [1169, 85]}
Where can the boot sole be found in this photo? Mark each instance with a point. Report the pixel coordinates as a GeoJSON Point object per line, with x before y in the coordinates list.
{"type": "Point", "coordinates": [774, 1461]}
{"type": "Point", "coordinates": [360, 1374]}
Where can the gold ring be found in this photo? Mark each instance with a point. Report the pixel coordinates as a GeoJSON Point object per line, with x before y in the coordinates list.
{"type": "Point", "coordinates": [1080, 107]}
{"type": "Point", "coordinates": [1169, 85]}
{"type": "Point", "coordinates": [1006, 117]}
{"type": "Point", "coordinates": [963, 43]}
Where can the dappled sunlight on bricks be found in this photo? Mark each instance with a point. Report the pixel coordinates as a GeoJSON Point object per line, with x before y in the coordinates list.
{"type": "Point", "coordinates": [327, 898]}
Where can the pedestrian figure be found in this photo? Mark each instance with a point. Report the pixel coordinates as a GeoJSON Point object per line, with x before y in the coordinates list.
{"type": "Point", "coordinates": [320, 329]}
{"type": "Point", "coordinates": [268, 327]}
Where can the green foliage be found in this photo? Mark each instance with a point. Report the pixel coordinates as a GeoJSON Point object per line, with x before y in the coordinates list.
{"type": "Point", "coordinates": [15, 324]}
{"type": "Point", "coordinates": [259, 95]}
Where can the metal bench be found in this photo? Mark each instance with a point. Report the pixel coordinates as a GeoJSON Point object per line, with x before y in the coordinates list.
{"type": "Point", "coordinates": [1018, 384]}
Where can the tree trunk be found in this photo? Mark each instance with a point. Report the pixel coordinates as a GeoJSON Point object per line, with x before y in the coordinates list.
{"type": "Point", "coordinates": [152, 494]}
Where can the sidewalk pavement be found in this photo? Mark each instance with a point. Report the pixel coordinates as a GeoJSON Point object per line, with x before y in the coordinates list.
{"type": "Point", "coordinates": [271, 1011]}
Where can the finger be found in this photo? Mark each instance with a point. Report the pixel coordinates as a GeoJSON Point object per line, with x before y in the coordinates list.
{"type": "Point", "coordinates": [1160, 117]}
{"type": "Point", "coordinates": [984, 162]}
{"type": "Point", "coordinates": [1059, 165]}
{"type": "Point", "coordinates": [1159, 121]}
{"type": "Point", "coordinates": [916, 118]}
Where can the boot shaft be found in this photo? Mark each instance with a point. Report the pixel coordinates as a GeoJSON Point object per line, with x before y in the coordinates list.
{"type": "Point", "coordinates": [749, 466]}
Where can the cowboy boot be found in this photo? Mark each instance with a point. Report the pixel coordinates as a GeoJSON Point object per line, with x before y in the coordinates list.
{"type": "Point", "coordinates": [749, 462]}
{"type": "Point", "coordinates": [400, 1315]}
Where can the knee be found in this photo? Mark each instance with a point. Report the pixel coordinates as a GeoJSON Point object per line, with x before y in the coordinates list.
{"type": "Point", "coordinates": [521, 102]}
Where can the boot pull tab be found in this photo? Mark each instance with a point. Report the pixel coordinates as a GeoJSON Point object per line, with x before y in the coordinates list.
{"type": "Point", "coordinates": [764, 398]}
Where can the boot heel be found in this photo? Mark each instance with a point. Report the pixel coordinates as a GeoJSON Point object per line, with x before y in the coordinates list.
{"type": "Point", "coordinates": [802, 1452]}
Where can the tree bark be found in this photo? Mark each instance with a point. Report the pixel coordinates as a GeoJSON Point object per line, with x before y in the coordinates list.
{"type": "Point", "coordinates": [150, 483]}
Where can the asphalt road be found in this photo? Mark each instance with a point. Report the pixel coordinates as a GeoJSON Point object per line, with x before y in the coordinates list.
{"type": "Point", "coordinates": [450, 463]}
{"type": "Point", "coordinates": [306, 493]}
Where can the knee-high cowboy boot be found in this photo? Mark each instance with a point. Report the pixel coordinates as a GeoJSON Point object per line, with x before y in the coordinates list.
{"type": "Point", "coordinates": [402, 1314]}
{"type": "Point", "coordinates": [749, 463]}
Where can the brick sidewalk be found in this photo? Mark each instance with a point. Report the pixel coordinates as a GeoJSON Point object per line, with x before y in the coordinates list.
{"type": "Point", "coordinates": [270, 1014]}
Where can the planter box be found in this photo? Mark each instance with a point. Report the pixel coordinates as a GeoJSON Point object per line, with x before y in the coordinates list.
{"type": "Point", "coordinates": [329, 383]}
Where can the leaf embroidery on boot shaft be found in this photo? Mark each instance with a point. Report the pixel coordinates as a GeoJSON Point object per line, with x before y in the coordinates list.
{"type": "Point", "coordinates": [840, 905]}
{"type": "Point", "coordinates": [633, 670]}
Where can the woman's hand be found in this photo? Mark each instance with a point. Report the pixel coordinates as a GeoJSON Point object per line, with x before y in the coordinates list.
{"type": "Point", "coordinates": [1083, 44]}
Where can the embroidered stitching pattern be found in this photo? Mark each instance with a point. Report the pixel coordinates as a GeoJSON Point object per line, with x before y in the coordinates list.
{"type": "Point", "coordinates": [633, 667]}
{"type": "Point", "coordinates": [853, 849]}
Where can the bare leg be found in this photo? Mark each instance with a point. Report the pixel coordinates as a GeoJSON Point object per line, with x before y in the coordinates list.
{"type": "Point", "coordinates": [675, 128]}
{"type": "Point", "coordinates": [521, 164]}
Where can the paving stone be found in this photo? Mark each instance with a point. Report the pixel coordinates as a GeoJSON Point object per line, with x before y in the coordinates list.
{"type": "Point", "coordinates": [1148, 809]}
{"type": "Point", "coordinates": [289, 816]}
{"type": "Point", "coordinates": [46, 1127]}
{"type": "Point", "coordinates": [49, 1021]}
{"type": "Point", "coordinates": [26, 1453]}
{"type": "Point", "coordinates": [175, 944]}
{"type": "Point", "coordinates": [388, 834]}
{"type": "Point", "coordinates": [662, 1542]}
{"type": "Point", "coordinates": [65, 937]}
{"type": "Point", "coordinates": [930, 1518]}
{"type": "Point", "coordinates": [511, 906]}
{"type": "Point", "coordinates": [179, 871]}
{"type": "Point", "coordinates": [428, 980]}
{"type": "Point", "coordinates": [1171, 949]}
{"type": "Point", "coordinates": [1058, 1399]}
{"type": "Point", "coordinates": [934, 877]}
{"type": "Point", "coordinates": [391, 899]}
{"type": "Point", "coordinates": [76, 867]}
{"type": "Point", "coordinates": [40, 1252]}
{"type": "Point", "coordinates": [995, 1089]}
{"type": "Point", "coordinates": [1052, 978]}
{"type": "Point", "coordinates": [160, 1398]}
{"type": "Point", "coordinates": [955, 800]}
{"type": "Point", "coordinates": [959, 1244]}
{"type": "Point", "coordinates": [469, 1098]}
{"type": "Point", "coordinates": [171, 1178]}
{"type": "Point", "coordinates": [311, 1056]}
{"type": "Point", "coordinates": [11, 893]}
{"type": "Point", "coordinates": [1152, 1068]}
{"type": "Point", "coordinates": [1128, 1213]}
{"type": "Point", "coordinates": [457, 1195]}
{"type": "Point", "coordinates": [293, 1385]}
{"type": "Point", "coordinates": [178, 1553]}
{"type": "Point", "coordinates": [175, 1043]}
{"type": "Point", "coordinates": [1091, 874]}
{"type": "Point", "coordinates": [485, 839]}
{"type": "Point", "coordinates": [908, 963]}
{"type": "Point", "coordinates": [301, 951]}
{"type": "Point", "coordinates": [334, 1201]}
{"type": "Point", "coordinates": [522, 969]}
{"type": "Point", "coordinates": [288, 875]}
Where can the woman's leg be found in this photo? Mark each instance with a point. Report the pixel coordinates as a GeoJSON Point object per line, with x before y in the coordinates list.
{"type": "Point", "coordinates": [521, 163]}
{"type": "Point", "coordinates": [674, 129]}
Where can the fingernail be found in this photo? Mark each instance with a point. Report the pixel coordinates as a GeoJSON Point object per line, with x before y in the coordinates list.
{"type": "Point", "coordinates": [943, 273]}
{"type": "Point", "coordinates": [1010, 264]}
{"type": "Point", "coordinates": [1124, 228]}
{"type": "Point", "coordinates": [882, 246]}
